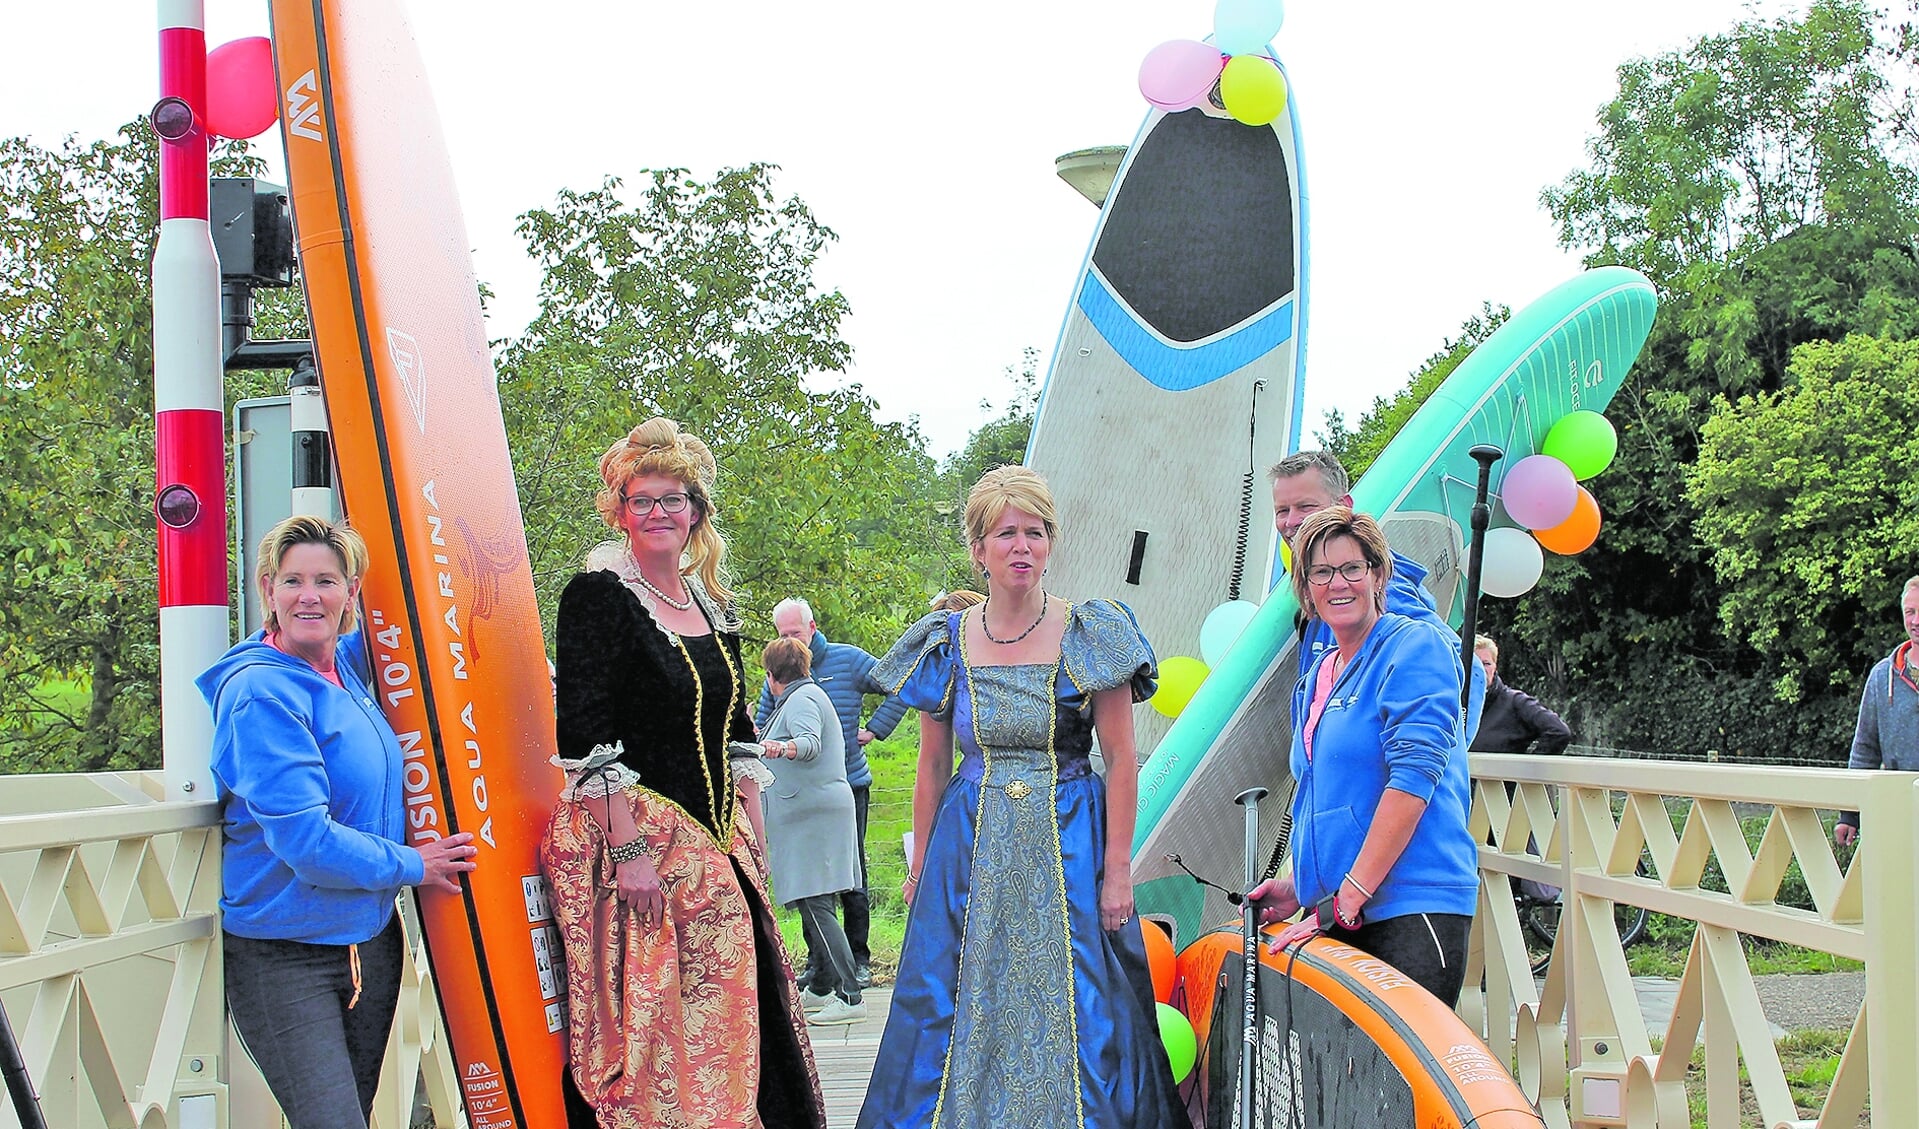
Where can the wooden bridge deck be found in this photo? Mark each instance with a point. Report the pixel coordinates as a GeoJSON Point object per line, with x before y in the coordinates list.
{"type": "Point", "coordinates": [845, 1058]}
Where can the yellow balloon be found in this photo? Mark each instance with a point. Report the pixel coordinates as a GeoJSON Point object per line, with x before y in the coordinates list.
{"type": "Point", "coordinates": [1253, 89]}
{"type": "Point", "coordinates": [1285, 556]}
{"type": "Point", "coordinates": [1179, 679]}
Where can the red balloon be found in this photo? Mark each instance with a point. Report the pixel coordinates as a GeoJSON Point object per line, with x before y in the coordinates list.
{"type": "Point", "coordinates": [243, 97]}
{"type": "Point", "coordinates": [1161, 959]}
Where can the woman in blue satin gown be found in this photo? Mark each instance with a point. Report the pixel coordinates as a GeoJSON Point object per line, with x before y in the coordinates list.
{"type": "Point", "coordinates": [1024, 997]}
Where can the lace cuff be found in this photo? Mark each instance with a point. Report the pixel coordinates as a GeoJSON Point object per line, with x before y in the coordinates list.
{"type": "Point", "coordinates": [597, 774]}
{"type": "Point", "coordinates": [750, 768]}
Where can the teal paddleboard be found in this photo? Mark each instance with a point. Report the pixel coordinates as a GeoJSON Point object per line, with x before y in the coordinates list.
{"type": "Point", "coordinates": [1569, 350]}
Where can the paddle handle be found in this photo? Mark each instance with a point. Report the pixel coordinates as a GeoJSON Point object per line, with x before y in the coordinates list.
{"type": "Point", "coordinates": [1485, 454]}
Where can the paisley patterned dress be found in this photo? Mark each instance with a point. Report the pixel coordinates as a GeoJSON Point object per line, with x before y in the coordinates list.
{"type": "Point", "coordinates": [1014, 1008]}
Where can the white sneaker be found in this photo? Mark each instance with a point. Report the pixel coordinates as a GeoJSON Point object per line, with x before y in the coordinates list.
{"type": "Point", "coordinates": [837, 1012]}
{"type": "Point", "coordinates": [811, 1002]}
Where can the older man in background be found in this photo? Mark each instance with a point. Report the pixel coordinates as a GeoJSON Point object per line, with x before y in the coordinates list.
{"type": "Point", "coordinates": [1887, 735]}
{"type": "Point", "coordinates": [844, 672]}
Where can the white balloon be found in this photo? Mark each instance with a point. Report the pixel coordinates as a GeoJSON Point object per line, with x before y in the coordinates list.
{"type": "Point", "coordinates": [1223, 625]}
{"type": "Point", "coordinates": [1510, 563]}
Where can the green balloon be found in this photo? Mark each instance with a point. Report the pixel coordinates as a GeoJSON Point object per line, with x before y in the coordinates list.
{"type": "Point", "coordinates": [1584, 441]}
{"type": "Point", "coordinates": [1182, 1047]}
{"type": "Point", "coordinates": [1252, 89]}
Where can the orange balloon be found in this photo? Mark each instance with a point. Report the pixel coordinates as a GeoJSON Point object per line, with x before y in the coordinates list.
{"type": "Point", "coordinates": [1575, 534]}
{"type": "Point", "coordinates": [1160, 958]}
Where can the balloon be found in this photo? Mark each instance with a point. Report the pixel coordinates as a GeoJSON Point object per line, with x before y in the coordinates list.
{"type": "Point", "coordinates": [1181, 1048]}
{"type": "Point", "coordinates": [243, 98]}
{"type": "Point", "coordinates": [1577, 533]}
{"type": "Point", "coordinates": [1510, 563]}
{"type": "Point", "coordinates": [1179, 679]}
{"type": "Point", "coordinates": [1253, 89]}
{"type": "Point", "coordinates": [1244, 27]}
{"type": "Point", "coordinates": [1285, 556]}
{"type": "Point", "coordinates": [1223, 625]}
{"type": "Point", "coordinates": [1160, 958]}
{"type": "Point", "coordinates": [1179, 73]}
{"type": "Point", "coordinates": [1585, 441]}
{"type": "Point", "coordinates": [1539, 492]}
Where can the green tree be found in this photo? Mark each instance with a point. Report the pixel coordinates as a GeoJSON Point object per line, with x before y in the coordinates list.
{"type": "Point", "coordinates": [1753, 176]}
{"type": "Point", "coordinates": [697, 300]}
{"type": "Point", "coordinates": [79, 646]}
{"type": "Point", "coordinates": [1807, 502]}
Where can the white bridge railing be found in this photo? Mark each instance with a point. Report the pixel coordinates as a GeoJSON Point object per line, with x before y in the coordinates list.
{"type": "Point", "coordinates": [1579, 1044]}
{"type": "Point", "coordinates": [110, 959]}
{"type": "Point", "coordinates": [110, 967]}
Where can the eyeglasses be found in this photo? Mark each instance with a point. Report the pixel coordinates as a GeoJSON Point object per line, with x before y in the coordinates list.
{"type": "Point", "coordinates": [1319, 576]}
{"type": "Point", "coordinates": [639, 505]}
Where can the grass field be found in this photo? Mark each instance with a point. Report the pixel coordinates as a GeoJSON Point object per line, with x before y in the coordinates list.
{"type": "Point", "coordinates": [18, 747]}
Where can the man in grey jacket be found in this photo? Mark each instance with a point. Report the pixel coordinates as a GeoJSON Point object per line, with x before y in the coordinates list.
{"type": "Point", "coordinates": [844, 672]}
{"type": "Point", "coordinates": [1887, 735]}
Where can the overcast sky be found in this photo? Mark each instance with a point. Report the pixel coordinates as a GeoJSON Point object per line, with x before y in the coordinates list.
{"type": "Point", "coordinates": [925, 134]}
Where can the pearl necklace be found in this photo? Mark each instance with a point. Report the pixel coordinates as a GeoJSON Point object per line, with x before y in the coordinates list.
{"type": "Point", "coordinates": [676, 605]}
{"type": "Point", "coordinates": [1021, 635]}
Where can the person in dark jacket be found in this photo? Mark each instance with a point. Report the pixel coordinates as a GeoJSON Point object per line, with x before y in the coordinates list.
{"type": "Point", "coordinates": [1513, 719]}
{"type": "Point", "coordinates": [844, 672]}
{"type": "Point", "coordinates": [1887, 735]}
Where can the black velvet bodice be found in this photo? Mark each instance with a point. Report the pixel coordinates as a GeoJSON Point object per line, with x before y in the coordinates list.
{"type": "Point", "coordinates": [673, 706]}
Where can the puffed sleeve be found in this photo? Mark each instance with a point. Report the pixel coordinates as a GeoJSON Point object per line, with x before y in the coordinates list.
{"type": "Point", "coordinates": [920, 670]}
{"type": "Point", "coordinates": [1103, 649]}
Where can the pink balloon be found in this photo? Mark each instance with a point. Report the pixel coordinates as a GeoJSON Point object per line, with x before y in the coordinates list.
{"type": "Point", "coordinates": [243, 98]}
{"type": "Point", "coordinates": [1539, 492]}
{"type": "Point", "coordinates": [1179, 72]}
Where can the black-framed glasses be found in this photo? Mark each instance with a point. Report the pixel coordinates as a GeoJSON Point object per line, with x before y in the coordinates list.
{"type": "Point", "coordinates": [639, 505]}
{"type": "Point", "coordinates": [1319, 576]}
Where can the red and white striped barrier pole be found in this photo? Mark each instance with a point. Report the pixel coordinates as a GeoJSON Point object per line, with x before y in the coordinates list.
{"type": "Point", "coordinates": [191, 496]}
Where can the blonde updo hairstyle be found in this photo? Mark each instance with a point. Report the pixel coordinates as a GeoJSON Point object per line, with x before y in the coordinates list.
{"type": "Point", "coordinates": [346, 544]}
{"type": "Point", "coordinates": [998, 489]}
{"type": "Point", "coordinates": [1339, 521]}
{"type": "Point", "coordinates": [659, 447]}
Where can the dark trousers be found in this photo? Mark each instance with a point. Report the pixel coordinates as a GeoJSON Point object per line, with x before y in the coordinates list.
{"type": "Point", "coordinates": [841, 976]}
{"type": "Point", "coordinates": [289, 1000]}
{"type": "Point", "coordinates": [1430, 948]}
{"type": "Point", "coordinates": [854, 906]}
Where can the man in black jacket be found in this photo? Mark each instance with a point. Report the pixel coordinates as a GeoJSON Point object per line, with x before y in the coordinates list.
{"type": "Point", "coordinates": [1513, 719]}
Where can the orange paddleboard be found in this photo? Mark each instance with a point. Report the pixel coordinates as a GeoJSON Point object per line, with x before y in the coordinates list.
{"type": "Point", "coordinates": [425, 476]}
{"type": "Point", "coordinates": [1345, 1042]}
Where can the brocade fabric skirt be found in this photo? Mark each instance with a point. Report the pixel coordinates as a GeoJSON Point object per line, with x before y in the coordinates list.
{"type": "Point", "coordinates": [690, 1024]}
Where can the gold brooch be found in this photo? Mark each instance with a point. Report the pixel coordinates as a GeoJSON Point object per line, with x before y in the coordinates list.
{"type": "Point", "coordinates": [1018, 790]}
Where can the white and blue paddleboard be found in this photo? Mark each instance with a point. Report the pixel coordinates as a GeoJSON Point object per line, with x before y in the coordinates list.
{"type": "Point", "coordinates": [1175, 382]}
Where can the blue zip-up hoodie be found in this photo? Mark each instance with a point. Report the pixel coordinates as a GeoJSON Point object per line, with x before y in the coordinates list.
{"type": "Point", "coordinates": [310, 777]}
{"type": "Point", "coordinates": [1391, 721]}
{"type": "Point", "coordinates": [1405, 595]}
{"type": "Point", "coordinates": [844, 672]}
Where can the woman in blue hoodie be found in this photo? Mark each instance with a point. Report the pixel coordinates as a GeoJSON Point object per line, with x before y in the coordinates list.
{"type": "Point", "coordinates": [1382, 859]}
{"type": "Point", "coordinates": [314, 853]}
